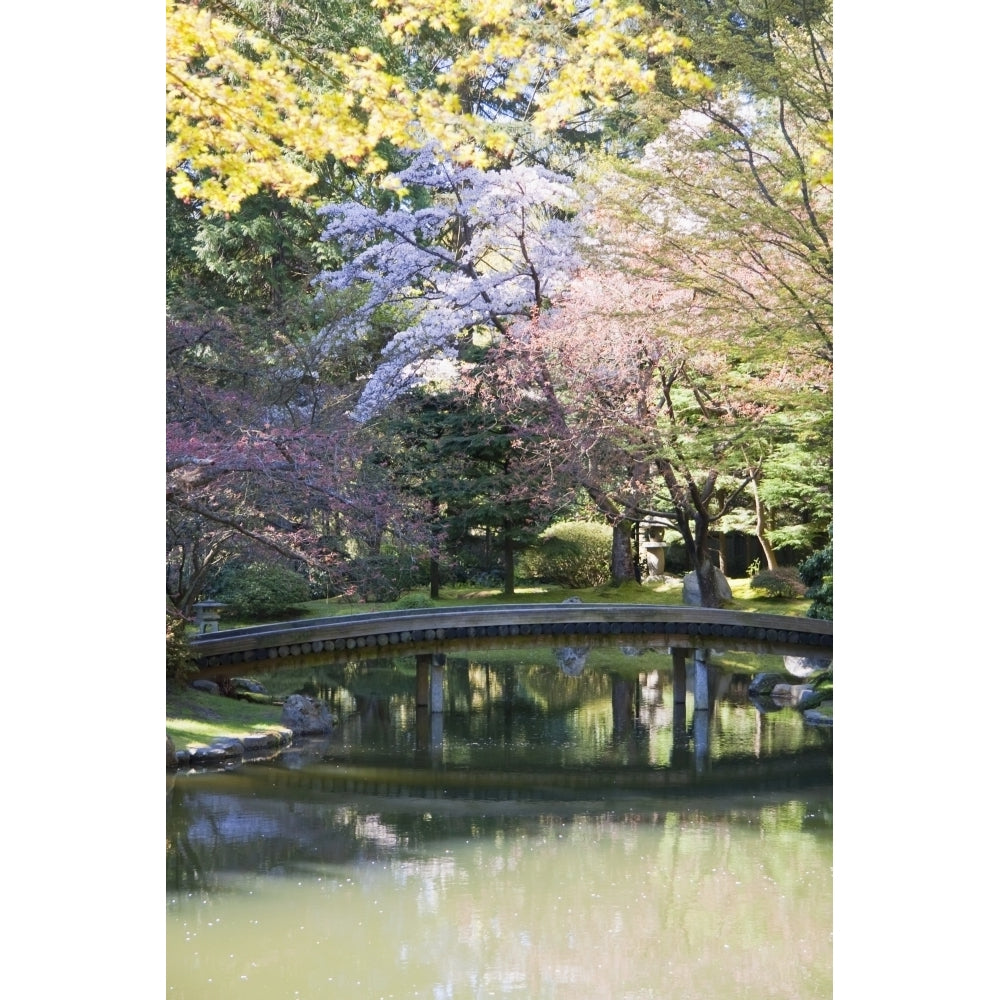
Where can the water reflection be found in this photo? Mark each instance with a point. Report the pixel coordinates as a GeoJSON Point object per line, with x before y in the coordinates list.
{"type": "Point", "coordinates": [545, 836]}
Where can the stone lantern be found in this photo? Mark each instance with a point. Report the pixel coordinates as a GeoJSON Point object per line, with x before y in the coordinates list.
{"type": "Point", "coordinates": [206, 616]}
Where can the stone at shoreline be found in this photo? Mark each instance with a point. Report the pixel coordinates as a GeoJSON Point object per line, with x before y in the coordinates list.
{"type": "Point", "coordinates": [201, 756]}
{"type": "Point", "coordinates": [229, 745]}
{"type": "Point", "coordinates": [201, 685]}
{"type": "Point", "coordinates": [245, 684]}
{"type": "Point", "coordinates": [230, 749]}
{"type": "Point", "coordinates": [260, 741]}
{"type": "Point", "coordinates": [306, 716]}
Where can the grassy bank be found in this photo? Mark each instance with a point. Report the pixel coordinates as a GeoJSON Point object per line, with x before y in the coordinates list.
{"type": "Point", "coordinates": [195, 718]}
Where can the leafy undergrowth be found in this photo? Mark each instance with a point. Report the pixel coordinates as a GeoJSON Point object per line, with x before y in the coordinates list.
{"type": "Point", "coordinates": [195, 718]}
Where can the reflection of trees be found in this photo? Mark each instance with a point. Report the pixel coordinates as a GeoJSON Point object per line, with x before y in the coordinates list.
{"type": "Point", "coordinates": [560, 693]}
{"type": "Point", "coordinates": [185, 869]}
{"type": "Point", "coordinates": [267, 828]}
{"type": "Point", "coordinates": [700, 859]}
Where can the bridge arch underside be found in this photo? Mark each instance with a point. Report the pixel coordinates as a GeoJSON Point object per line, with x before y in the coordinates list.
{"type": "Point", "coordinates": [386, 634]}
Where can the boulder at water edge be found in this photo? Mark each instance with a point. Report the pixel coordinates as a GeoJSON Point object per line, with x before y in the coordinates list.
{"type": "Point", "coordinates": [306, 716]}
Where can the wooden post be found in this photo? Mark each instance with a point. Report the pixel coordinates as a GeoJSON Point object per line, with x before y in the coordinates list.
{"type": "Point", "coordinates": [680, 675]}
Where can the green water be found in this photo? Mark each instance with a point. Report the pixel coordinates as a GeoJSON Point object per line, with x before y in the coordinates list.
{"type": "Point", "coordinates": [521, 844]}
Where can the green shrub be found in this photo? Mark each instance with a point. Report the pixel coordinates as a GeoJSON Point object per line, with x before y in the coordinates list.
{"type": "Point", "coordinates": [816, 573]}
{"type": "Point", "coordinates": [260, 590]}
{"type": "Point", "coordinates": [572, 554]}
{"type": "Point", "coordinates": [179, 663]}
{"type": "Point", "coordinates": [780, 582]}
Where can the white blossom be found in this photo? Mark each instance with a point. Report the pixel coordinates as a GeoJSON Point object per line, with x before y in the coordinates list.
{"type": "Point", "coordinates": [492, 246]}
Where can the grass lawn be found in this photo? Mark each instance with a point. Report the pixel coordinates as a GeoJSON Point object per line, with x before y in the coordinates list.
{"type": "Point", "coordinates": [195, 718]}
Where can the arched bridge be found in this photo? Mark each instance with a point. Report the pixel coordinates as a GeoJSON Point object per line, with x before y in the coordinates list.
{"type": "Point", "coordinates": [440, 630]}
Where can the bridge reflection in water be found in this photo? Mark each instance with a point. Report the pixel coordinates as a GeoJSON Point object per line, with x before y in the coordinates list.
{"type": "Point", "coordinates": [605, 727]}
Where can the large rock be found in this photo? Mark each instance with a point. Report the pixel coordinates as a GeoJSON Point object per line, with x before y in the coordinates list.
{"type": "Point", "coordinates": [806, 666]}
{"type": "Point", "coordinates": [692, 592]}
{"type": "Point", "coordinates": [306, 716]}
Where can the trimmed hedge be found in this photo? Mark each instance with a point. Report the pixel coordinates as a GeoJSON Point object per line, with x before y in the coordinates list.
{"type": "Point", "coordinates": [572, 554]}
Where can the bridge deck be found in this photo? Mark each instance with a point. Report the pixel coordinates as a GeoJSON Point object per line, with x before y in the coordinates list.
{"type": "Point", "coordinates": [385, 633]}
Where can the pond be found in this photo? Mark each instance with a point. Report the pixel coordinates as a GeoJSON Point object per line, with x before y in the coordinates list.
{"type": "Point", "coordinates": [545, 836]}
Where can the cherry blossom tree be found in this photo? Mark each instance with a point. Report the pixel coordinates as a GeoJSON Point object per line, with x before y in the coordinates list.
{"type": "Point", "coordinates": [649, 405]}
{"type": "Point", "coordinates": [692, 357]}
{"type": "Point", "coordinates": [260, 458]}
{"type": "Point", "coordinates": [467, 251]}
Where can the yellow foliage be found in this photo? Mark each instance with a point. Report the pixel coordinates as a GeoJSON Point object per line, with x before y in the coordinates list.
{"type": "Point", "coordinates": [243, 114]}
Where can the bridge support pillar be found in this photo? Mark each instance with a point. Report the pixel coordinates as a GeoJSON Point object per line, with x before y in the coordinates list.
{"type": "Point", "coordinates": [438, 661]}
{"type": "Point", "coordinates": [430, 735]}
{"type": "Point", "coordinates": [423, 680]}
{"type": "Point", "coordinates": [430, 681]}
{"type": "Point", "coordinates": [701, 700]}
{"type": "Point", "coordinates": [680, 675]}
{"type": "Point", "coordinates": [699, 725]}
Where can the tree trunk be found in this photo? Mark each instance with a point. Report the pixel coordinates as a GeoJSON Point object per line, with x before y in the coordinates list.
{"type": "Point", "coordinates": [622, 563]}
{"type": "Point", "coordinates": [707, 585]}
{"type": "Point", "coordinates": [435, 574]}
{"type": "Point", "coordinates": [637, 567]}
{"type": "Point", "coordinates": [772, 562]}
{"type": "Point", "coordinates": [508, 559]}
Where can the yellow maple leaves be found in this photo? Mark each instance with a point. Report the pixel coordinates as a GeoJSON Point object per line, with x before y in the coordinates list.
{"type": "Point", "coordinates": [244, 113]}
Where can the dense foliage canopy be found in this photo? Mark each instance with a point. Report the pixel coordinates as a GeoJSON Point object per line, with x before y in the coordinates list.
{"type": "Point", "coordinates": [442, 273]}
